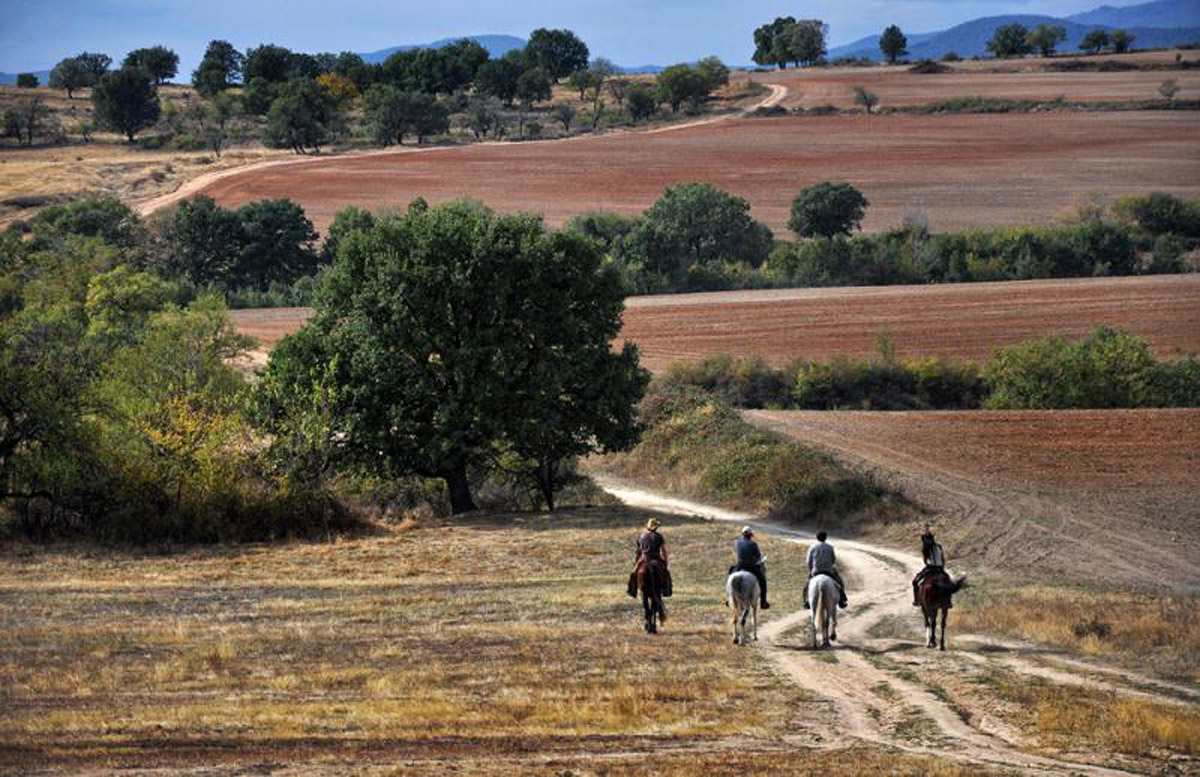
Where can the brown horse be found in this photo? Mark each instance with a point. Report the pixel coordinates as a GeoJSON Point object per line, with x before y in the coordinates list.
{"type": "Point", "coordinates": [934, 594]}
{"type": "Point", "coordinates": [651, 581]}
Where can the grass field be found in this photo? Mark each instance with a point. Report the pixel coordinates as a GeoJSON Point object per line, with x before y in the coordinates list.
{"type": "Point", "coordinates": [508, 635]}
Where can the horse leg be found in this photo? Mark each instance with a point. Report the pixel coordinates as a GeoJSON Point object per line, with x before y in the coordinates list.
{"type": "Point", "coordinates": [737, 623]}
{"type": "Point", "coordinates": [930, 627]}
{"type": "Point", "coordinates": [833, 625]}
{"type": "Point", "coordinates": [945, 613]}
{"type": "Point", "coordinates": [754, 620]}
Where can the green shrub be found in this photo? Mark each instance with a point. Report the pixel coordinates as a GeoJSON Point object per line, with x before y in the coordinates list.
{"type": "Point", "coordinates": [1162, 214]}
{"type": "Point", "coordinates": [750, 383]}
{"type": "Point", "coordinates": [695, 443]}
{"type": "Point", "coordinates": [1106, 369]}
{"type": "Point", "coordinates": [886, 384]}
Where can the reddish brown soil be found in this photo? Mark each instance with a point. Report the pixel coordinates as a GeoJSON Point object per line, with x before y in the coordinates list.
{"type": "Point", "coordinates": [963, 321]}
{"type": "Point", "coordinates": [1095, 496]}
{"type": "Point", "coordinates": [960, 171]}
{"type": "Point", "coordinates": [897, 87]}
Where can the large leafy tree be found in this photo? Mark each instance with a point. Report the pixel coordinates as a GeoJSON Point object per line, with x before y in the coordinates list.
{"type": "Point", "coordinates": [893, 43]}
{"type": "Point", "coordinates": [303, 118]}
{"type": "Point", "coordinates": [682, 83]}
{"type": "Point", "coordinates": [1094, 41]}
{"type": "Point", "coordinates": [827, 209]}
{"type": "Point", "coordinates": [126, 101]}
{"type": "Point", "coordinates": [1010, 40]}
{"type": "Point", "coordinates": [789, 40]}
{"type": "Point", "coordinates": [159, 61]}
{"type": "Point", "coordinates": [220, 68]}
{"type": "Point", "coordinates": [447, 337]}
{"type": "Point", "coordinates": [1046, 37]}
{"type": "Point", "coordinates": [1121, 41]}
{"type": "Point", "coordinates": [695, 224]}
{"type": "Point", "coordinates": [559, 52]}
{"type": "Point", "coordinates": [498, 77]}
{"type": "Point", "coordinates": [70, 76]}
{"type": "Point", "coordinates": [391, 114]}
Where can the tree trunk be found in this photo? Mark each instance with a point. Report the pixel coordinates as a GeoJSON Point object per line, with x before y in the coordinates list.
{"type": "Point", "coordinates": [459, 490]}
{"type": "Point", "coordinates": [545, 479]}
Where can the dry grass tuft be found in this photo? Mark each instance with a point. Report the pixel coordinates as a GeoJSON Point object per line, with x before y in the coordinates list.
{"type": "Point", "coordinates": [1070, 716]}
{"type": "Point", "coordinates": [1156, 633]}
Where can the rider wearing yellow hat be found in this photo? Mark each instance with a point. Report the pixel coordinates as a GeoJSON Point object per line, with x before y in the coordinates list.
{"type": "Point", "coordinates": [651, 546]}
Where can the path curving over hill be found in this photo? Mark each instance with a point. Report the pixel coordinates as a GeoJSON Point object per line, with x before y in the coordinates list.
{"type": "Point", "coordinates": [867, 683]}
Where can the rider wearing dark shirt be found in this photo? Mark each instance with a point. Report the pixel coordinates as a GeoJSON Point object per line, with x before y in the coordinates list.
{"type": "Point", "coordinates": [750, 559]}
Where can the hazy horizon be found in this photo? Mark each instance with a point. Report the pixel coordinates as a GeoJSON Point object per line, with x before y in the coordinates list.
{"type": "Point", "coordinates": [36, 35]}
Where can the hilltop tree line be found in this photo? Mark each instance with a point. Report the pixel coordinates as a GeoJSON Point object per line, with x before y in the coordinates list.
{"type": "Point", "coordinates": [307, 101]}
{"type": "Point", "coordinates": [789, 41]}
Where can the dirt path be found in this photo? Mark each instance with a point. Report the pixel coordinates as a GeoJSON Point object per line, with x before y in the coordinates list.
{"type": "Point", "coordinates": [868, 683]}
{"type": "Point", "coordinates": [197, 185]}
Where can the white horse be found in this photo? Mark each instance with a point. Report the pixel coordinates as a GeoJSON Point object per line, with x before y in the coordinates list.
{"type": "Point", "coordinates": [741, 592]}
{"type": "Point", "coordinates": [823, 598]}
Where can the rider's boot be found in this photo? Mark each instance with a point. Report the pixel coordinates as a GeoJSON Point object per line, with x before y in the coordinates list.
{"type": "Point", "coordinates": [765, 605]}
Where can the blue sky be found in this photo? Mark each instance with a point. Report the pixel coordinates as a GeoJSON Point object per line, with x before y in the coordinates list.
{"type": "Point", "coordinates": [34, 34]}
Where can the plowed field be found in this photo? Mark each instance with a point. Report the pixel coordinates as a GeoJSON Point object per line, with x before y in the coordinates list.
{"type": "Point", "coordinates": [966, 321]}
{"type": "Point", "coordinates": [899, 88]}
{"type": "Point", "coordinates": [1089, 496]}
{"type": "Point", "coordinates": [959, 171]}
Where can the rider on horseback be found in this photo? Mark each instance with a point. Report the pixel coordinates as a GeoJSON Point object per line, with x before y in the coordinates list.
{"type": "Point", "coordinates": [651, 546]}
{"type": "Point", "coordinates": [935, 562]}
{"type": "Point", "coordinates": [750, 559]}
{"type": "Point", "coordinates": [821, 560]}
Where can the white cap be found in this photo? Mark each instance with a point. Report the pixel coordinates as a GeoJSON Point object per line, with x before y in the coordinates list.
{"type": "Point", "coordinates": [747, 530]}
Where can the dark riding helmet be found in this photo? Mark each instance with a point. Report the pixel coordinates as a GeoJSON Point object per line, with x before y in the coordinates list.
{"type": "Point", "coordinates": [821, 536]}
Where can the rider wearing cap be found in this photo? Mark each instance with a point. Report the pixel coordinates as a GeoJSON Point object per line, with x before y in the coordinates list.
{"type": "Point", "coordinates": [935, 561]}
{"type": "Point", "coordinates": [821, 560]}
{"type": "Point", "coordinates": [750, 559]}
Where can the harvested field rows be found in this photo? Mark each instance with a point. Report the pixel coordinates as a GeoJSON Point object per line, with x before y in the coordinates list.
{"type": "Point", "coordinates": [965, 321]}
{"type": "Point", "coordinates": [898, 88]}
{"type": "Point", "coordinates": [959, 171]}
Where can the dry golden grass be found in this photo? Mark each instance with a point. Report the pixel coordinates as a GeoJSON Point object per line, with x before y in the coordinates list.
{"type": "Point", "coordinates": [1151, 633]}
{"type": "Point", "coordinates": [512, 627]}
{"type": "Point", "coordinates": [1073, 717]}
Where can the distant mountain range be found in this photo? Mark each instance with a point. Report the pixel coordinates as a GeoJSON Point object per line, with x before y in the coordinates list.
{"type": "Point", "coordinates": [496, 45]}
{"type": "Point", "coordinates": [1154, 25]}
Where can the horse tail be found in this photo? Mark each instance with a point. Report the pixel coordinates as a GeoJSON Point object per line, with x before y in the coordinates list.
{"type": "Point", "coordinates": [957, 585]}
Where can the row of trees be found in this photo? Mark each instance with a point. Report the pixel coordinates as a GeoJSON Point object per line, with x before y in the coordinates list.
{"type": "Point", "coordinates": [1017, 40]}
{"type": "Point", "coordinates": [1106, 369]}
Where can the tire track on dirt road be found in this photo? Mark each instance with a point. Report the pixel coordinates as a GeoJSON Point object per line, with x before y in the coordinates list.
{"type": "Point", "coordinates": [863, 679]}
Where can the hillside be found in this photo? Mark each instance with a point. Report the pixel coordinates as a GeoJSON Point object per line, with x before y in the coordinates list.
{"type": "Point", "coordinates": [1164, 13]}
{"type": "Point", "coordinates": [1156, 25]}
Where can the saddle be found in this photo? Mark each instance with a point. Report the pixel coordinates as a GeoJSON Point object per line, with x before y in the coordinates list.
{"type": "Point", "coordinates": [637, 579]}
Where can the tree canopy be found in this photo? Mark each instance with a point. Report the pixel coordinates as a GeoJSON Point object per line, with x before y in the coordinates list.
{"type": "Point", "coordinates": [159, 61]}
{"type": "Point", "coordinates": [1046, 37]}
{"type": "Point", "coordinates": [446, 338]}
{"type": "Point", "coordinates": [126, 101]}
{"type": "Point", "coordinates": [893, 43]}
{"type": "Point", "coordinates": [220, 68]}
{"type": "Point", "coordinates": [1010, 40]}
{"type": "Point", "coordinates": [827, 209]}
{"type": "Point", "coordinates": [787, 40]}
{"type": "Point", "coordinates": [559, 52]}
